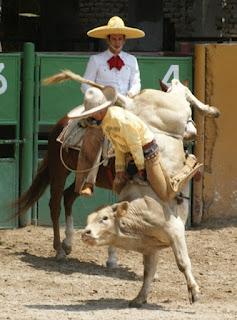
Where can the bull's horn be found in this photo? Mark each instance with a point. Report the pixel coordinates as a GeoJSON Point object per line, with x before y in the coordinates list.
{"type": "Point", "coordinates": [163, 86]}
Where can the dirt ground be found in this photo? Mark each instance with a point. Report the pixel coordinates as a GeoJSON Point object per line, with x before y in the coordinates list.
{"type": "Point", "coordinates": [33, 285]}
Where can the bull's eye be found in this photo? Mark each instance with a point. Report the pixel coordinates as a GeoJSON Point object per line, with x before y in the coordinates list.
{"type": "Point", "coordinates": [105, 218]}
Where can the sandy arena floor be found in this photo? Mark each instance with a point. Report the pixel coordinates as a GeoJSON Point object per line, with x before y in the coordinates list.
{"type": "Point", "coordinates": [34, 286]}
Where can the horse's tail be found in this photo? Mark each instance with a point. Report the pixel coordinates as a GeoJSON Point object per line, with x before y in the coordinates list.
{"type": "Point", "coordinates": [69, 75]}
{"type": "Point", "coordinates": [35, 191]}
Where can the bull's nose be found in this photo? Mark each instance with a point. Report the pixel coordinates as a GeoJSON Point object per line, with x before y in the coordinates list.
{"type": "Point", "coordinates": [85, 233]}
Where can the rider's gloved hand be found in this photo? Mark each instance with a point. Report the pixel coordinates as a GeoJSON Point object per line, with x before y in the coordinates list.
{"type": "Point", "coordinates": [140, 178]}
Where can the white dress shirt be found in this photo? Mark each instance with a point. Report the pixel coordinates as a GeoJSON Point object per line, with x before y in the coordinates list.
{"type": "Point", "coordinates": [126, 80]}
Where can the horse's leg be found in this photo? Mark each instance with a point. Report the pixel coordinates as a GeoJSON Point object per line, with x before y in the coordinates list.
{"type": "Point", "coordinates": [69, 198]}
{"type": "Point", "coordinates": [180, 250]}
{"type": "Point", "coordinates": [112, 258]}
{"type": "Point", "coordinates": [56, 191]}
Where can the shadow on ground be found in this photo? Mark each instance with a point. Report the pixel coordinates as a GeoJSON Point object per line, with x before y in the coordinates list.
{"type": "Point", "coordinates": [72, 265]}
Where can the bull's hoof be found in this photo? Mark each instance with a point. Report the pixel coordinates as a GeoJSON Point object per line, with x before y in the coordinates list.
{"type": "Point", "coordinates": [193, 295]}
{"type": "Point", "coordinates": [66, 248]}
{"type": "Point", "coordinates": [136, 304]}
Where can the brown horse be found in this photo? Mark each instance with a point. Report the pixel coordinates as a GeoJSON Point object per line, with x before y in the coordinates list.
{"type": "Point", "coordinates": [53, 173]}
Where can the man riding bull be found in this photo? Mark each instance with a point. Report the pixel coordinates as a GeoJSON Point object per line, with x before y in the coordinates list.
{"type": "Point", "coordinates": [130, 135]}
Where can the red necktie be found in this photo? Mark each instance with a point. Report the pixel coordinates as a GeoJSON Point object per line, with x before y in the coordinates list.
{"type": "Point", "coordinates": [115, 62]}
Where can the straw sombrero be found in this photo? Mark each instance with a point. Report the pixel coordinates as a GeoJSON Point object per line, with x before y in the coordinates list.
{"type": "Point", "coordinates": [94, 101]}
{"type": "Point", "coordinates": [115, 26]}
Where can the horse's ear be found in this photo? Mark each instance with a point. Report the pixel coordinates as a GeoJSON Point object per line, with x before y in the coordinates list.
{"type": "Point", "coordinates": [185, 83]}
{"type": "Point", "coordinates": [122, 209]}
{"type": "Point", "coordinates": [163, 86]}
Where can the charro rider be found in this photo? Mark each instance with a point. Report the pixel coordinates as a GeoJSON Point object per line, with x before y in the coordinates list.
{"type": "Point", "coordinates": [129, 134]}
{"type": "Point", "coordinates": [112, 67]}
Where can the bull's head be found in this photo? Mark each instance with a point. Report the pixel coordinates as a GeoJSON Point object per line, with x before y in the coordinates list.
{"type": "Point", "coordinates": [102, 225]}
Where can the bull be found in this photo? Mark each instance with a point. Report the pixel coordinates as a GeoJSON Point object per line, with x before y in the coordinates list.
{"type": "Point", "coordinates": [143, 225]}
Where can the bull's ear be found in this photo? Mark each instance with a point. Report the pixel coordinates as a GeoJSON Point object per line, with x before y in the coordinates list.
{"type": "Point", "coordinates": [122, 209]}
{"type": "Point", "coordinates": [114, 207]}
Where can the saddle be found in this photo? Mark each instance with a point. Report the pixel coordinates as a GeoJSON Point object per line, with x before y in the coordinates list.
{"type": "Point", "coordinates": [72, 137]}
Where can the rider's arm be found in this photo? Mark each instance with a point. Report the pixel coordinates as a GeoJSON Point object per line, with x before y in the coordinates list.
{"type": "Point", "coordinates": [133, 140]}
{"type": "Point", "coordinates": [119, 160]}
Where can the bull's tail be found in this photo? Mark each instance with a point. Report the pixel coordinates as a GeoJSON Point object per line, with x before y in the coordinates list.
{"type": "Point", "coordinates": [35, 191]}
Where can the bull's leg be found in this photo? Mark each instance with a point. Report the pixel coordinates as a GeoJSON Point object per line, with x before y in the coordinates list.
{"type": "Point", "coordinates": [183, 261]}
{"type": "Point", "coordinates": [150, 264]}
{"type": "Point", "coordinates": [69, 198]}
{"type": "Point", "coordinates": [204, 108]}
{"type": "Point", "coordinates": [112, 258]}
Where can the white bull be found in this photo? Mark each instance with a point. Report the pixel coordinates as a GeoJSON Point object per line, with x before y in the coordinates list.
{"type": "Point", "coordinates": [146, 226]}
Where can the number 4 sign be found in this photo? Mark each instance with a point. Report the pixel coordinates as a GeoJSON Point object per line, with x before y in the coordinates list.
{"type": "Point", "coordinates": [172, 73]}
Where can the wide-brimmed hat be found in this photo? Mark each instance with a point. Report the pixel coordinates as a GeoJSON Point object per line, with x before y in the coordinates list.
{"type": "Point", "coordinates": [115, 26]}
{"type": "Point", "coordinates": [94, 101]}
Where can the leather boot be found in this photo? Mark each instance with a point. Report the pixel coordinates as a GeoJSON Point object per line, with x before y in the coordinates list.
{"type": "Point", "coordinates": [190, 168]}
{"type": "Point", "coordinates": [165, 187]}
{"type": "Point", "coordinates": [87, 190]}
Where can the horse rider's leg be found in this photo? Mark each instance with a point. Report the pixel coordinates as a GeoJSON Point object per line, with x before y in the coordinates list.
{"type": "Point", "coordinates": [158, 178]}
{"type": "Point", "coordinates": [56, 192]}
{"type": "Point", "coordinates": [167, 187]}
{"type": "Point", "coordinates": [69, 198]}
{"type": "Point", "coordinates": [89, 153]}
{"type": "Point", "coordinates": [112, 258]}
{"type": "Point", "coordinates": [178, 244]}
{"type": "Point", "coordinates": [87, 189]}
{"type": "Point", "coordinates": [150, 264]}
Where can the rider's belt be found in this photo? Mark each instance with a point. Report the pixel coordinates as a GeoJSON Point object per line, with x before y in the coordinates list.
{"type": "Point", "coordinates": [150, 150]}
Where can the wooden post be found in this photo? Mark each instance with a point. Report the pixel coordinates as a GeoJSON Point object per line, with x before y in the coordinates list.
{"type": "Point", "coordinates": [199, 91]}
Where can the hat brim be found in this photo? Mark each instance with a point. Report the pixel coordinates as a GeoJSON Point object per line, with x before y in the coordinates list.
{"type": "Point", "coordinates": [80, 113]}
{"type": "Point", "coordinates": [104, 31]}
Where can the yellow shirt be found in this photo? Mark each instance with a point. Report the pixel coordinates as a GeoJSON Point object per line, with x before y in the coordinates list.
{"type": "Point", "coordinates": [127, 133]}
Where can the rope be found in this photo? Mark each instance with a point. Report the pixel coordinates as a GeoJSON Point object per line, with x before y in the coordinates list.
{"type": "Point", "coordinates": [79, 171]}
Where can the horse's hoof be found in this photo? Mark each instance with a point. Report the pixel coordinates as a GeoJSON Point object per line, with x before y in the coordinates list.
{"type": "Point", "coordinates": [60, 255]}
{"type": "Point", "coordinates": [66, 248]}
{"type": "Point", "coordinates": [111, 265]}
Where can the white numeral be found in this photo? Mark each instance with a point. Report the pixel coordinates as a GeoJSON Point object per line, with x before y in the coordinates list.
{"type": "Point", "coordinates": [172, 73]}
{"type": "Point", "coordinates": [3, 80]}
